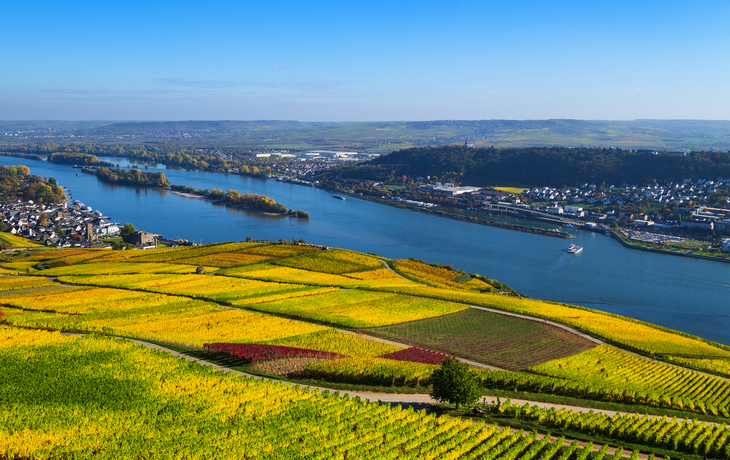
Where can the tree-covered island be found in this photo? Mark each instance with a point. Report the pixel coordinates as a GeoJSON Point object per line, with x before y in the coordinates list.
{"type": "Point", "coordinates": [245, 200]}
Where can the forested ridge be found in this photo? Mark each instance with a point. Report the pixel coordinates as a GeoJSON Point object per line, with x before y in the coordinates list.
{"type": "Point", "coordinates": [544, 166]}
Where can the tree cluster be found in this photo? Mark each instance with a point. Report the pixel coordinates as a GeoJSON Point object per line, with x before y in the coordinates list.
{"type": "Point", "coordinates": [16, 183]}
{"type": "Point", "coordinates": [81, 159]}
{"type": "Point", "coordinates": [248, 200]}
{"type": "Point", "coordinates": [130, 177]}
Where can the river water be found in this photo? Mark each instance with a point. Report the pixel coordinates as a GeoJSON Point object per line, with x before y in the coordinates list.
{"type": "Point", "coordinates": [686, 294]}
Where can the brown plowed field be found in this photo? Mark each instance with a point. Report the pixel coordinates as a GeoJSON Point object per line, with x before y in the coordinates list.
{"type": "Point", "coordinates": [489, 338]}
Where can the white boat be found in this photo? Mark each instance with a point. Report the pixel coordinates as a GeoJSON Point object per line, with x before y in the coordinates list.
{"type": "Point", "coordinates": [573, 249]}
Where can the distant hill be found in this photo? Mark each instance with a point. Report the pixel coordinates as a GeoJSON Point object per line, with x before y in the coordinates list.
{"type": "Point", "coordinates": [172, 127]}
{"type": "Point", "coordinates": [385, 137]}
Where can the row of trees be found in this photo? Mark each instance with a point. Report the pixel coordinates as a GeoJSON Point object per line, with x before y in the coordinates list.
{"type": "Point", "coordinates": [173, 157]}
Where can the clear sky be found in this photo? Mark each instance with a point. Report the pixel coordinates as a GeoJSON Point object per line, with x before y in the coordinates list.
{"type": "Point", "coordinates": [364, 61]}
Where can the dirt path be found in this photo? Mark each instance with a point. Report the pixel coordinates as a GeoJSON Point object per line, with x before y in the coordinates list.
{"type": "Point", "coordinates": [416, 400]}
{"type": "Point", "coordinates": [514, 315]}
{"type": "Point", "coordinates": [540, 320]}
{"type": "Point", "coordinates": [387, 265]}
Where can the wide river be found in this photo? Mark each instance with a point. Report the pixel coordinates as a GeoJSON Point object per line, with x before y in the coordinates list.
{"type": "Point", "coordinates": [690, 295]}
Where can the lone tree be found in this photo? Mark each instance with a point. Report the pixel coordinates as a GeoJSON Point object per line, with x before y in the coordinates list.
{"type": "Point", "coordinates": [126, 232]}
{"type": "Point", "coordinates": [455, 383]}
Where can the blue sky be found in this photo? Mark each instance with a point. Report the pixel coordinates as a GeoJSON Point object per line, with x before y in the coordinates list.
{"type": "Point", "coordinates": [366, 61]}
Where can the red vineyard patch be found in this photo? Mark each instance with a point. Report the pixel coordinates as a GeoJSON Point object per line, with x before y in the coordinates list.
{"type": "Point", "coordinates": [417, 355]}
{"type": "Point", "coordinates": [253, 353]}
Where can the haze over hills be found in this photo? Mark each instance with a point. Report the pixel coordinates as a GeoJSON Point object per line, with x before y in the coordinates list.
{"type": "Point", "coordinates": [384, 136]}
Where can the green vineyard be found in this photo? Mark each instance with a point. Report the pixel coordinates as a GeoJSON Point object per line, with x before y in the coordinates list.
{"type": "Point", "coordinates": [688, 436]}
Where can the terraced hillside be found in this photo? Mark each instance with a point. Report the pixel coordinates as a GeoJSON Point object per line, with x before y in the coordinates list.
{"type": "Point", "coordinates": [310, 315]}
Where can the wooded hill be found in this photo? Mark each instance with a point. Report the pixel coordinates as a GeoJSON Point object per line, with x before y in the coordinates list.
{"type": "Point", "coordinates": [547, 166]}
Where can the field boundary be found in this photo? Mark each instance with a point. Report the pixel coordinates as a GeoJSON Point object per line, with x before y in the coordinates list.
{"type": "Point", "coordinates": [398, 344]}
{"type": "Point", "coordinates": [542, 321]}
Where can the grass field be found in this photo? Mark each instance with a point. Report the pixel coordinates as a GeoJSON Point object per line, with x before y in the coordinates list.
{"type": "Point", "coordinates": [489, 338]}
{"type": "Point", "coordinates": [515, 190]}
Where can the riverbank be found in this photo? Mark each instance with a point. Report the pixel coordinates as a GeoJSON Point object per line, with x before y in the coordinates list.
{"type": "Point", "coordinates": [187, 195]}
{"type": "Point", "coordinates": [626, 244]}
{"type": "Point", "coordinates": [473, 220]}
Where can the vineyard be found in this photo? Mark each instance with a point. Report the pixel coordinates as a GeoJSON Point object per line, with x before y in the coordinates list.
{"type": "Point", "coordinates": [219, 288]}
{"type": "Point", "coordinates": [499, 340]}
{"type": "Point", "coordinates": [273, 309]}
{"type": "Point", "coordinates": [687, 436]}
{"type": "Point", "coordinates": [438, 276]}
{"type": "Point", "coordinates": [719, 366]}
{"type": "Point", "coordinates": [371, 371]}
{"type": "Point", "coordinates": [254, 353]}
{"type": "Point", "coordinates": [15, 241]}
{"type": "Point", "coordinates": [336, 342]}
{"type": "Point", "coordinates": [607, 367]}
{"type": "Point", "coordinates": [156, 317]}
{"type": "Point", "coordinates": [625, 331]}
{"type": "Point", "coordinates": [417, 355]}
{"type": "Point", "coordinates": [359, 309]}
{"type": "Point", "coordinates": [120, 268]}
{"type": "Point", "coordinates": [132, 401]}
{"type": "Point", "coordinates": [272, 273]}
{"type": "Point", "coordinates": [334, 262]}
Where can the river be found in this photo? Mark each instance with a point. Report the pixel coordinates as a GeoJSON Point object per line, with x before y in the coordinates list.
{"type": "Point", "coordinates": [691, 295]}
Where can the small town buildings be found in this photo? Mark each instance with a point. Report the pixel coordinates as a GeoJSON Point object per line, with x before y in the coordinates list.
{"type": "Point", "coordinates": [144, 240]}
{"type": "Point", "coordinates": [448, 189]}
{"type": "Point", "coordinates": [56, 225]}
{"type": "Point", "coordinates": [555, 210]}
